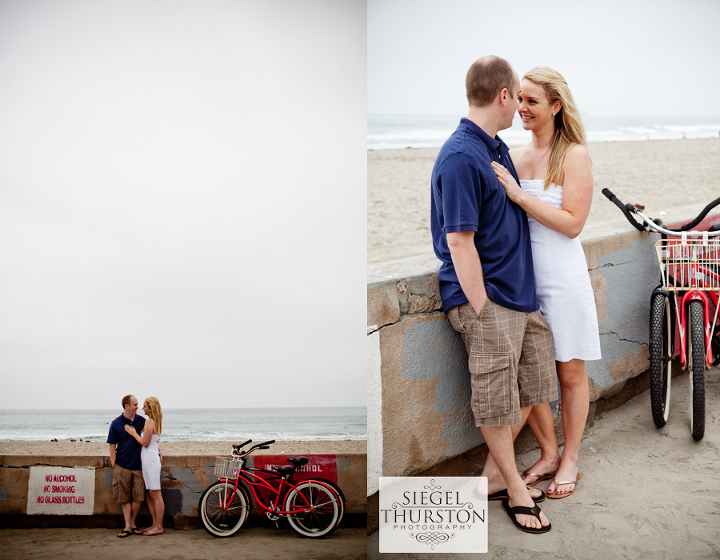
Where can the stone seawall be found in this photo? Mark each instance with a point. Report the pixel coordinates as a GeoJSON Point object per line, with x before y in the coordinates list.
{"type": "Point", "coordinates": [74, 485]}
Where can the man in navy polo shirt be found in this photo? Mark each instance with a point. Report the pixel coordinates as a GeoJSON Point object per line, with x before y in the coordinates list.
{"type": "Point", "coordinates": [487, 283]}
{"type": "Point", "coordinates": [128, 485]}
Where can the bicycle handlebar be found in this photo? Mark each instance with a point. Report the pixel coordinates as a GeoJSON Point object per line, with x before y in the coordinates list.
{"type": "Point", "coordinates": [628, 210]}
{"type": "Point", "coordinates": [239, 452]}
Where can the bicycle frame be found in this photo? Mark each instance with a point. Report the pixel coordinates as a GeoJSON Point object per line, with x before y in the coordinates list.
{"type": "Point", "coordinates": [280, 491]}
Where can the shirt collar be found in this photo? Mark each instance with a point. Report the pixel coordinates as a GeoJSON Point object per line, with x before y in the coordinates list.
{"type": "Point", "coordinates": [492, 143]}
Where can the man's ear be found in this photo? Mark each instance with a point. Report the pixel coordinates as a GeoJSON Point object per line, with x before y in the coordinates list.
{"type": "Point", "coordinates": [504, 94]}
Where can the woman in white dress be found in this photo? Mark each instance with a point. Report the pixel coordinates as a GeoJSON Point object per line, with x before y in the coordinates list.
{"type": "Point", "coordinates": [555, 190]}
{"type": "Point", "coordinates": [151, 462]}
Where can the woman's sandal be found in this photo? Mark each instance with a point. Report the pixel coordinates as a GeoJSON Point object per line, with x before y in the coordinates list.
{"type": "Point", "coordinates": [556, 496]}
{"type": "Point", "coordinates": [523, 510]}
{"type": "Point", "coordinates": [540, 477]}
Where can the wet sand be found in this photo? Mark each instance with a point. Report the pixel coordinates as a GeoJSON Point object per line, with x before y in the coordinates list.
{"type": "Point", "coordinates": [662, 174]}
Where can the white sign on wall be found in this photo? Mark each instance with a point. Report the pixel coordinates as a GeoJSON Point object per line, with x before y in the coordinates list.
{"type": "Point", "coordinates": [61, 491]}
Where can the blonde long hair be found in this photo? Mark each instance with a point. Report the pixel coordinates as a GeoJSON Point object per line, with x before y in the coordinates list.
{"type": "Point", "coordinates": [156, 413]}
{"type": "Point", "coordinates": [568, 124]}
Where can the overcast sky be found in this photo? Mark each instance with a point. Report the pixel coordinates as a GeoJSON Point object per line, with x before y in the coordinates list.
{"type": "Point", "coordinates": [620, 57]}
{"type": "Point", "coordinates": [182, 202]}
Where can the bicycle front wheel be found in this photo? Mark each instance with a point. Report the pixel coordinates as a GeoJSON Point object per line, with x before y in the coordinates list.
{"type": "Point", "coordinates": [223, 508]}
{"type": "Point", "coordinates": [313, 509]}
{"type": "Point", "coordinates": [661, 338]}
{"type": "Point", "coordinates": [696, 352]}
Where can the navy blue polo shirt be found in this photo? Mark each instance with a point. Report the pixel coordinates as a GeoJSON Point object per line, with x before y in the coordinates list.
{"type": "Point", "coordinates": [127, 449]}
{"type": "Point", "coordinates": [467, 196]}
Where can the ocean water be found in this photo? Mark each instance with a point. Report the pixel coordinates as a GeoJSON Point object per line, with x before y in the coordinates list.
{"type": "Point", "coordinates": [391, 132]}
{"type": "Point", "coordinates": [223, 424]}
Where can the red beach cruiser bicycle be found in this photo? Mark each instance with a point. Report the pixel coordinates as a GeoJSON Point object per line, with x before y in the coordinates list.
{"type": "Point", "coordinates": [683, 309]}
{"type": "Point", "coordinates": [313, 507]}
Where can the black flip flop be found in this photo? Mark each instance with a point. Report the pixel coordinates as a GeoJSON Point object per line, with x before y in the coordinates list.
{"type": "Point", "coordinates": [523, 510]}
{"type": "Point", "coordinates": [136, 531]}
{"type": "Point", "coordinates": [125, 533]}
{"type": "Point", "coordinates": [502, 494]}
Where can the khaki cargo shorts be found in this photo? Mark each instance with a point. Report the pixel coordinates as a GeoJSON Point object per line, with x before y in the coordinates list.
{"type": "Point", "coordinates": [511, 359]}
{"type": "Point", "coordinates": [128, 486]}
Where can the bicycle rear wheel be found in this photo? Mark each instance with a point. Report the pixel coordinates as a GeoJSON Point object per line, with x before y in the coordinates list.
{"type": "Point", "coordinates": [696, 353]}
{"type": "Point", "coordinates": [661, 338]}
{"type": "Point", "coordinates": [219, 519]}
{"type": "Point", "coordinates": [340, 500]}
{"type": "Point", "coordinates": [316, 506]}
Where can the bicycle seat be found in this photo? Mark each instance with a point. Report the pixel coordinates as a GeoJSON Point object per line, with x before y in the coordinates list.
{"type": "Point", "coordinates": [298, 461]}
{"type": "Point", "coordinates": [284, 470]}
{"type": "Point", "coordinates": [715, 227]}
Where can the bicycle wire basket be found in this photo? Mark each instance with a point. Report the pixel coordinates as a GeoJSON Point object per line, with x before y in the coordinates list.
{"type": "Point", "coordinates": [688, 263]}
{"type": "Point", "coordinates": [228, 467]}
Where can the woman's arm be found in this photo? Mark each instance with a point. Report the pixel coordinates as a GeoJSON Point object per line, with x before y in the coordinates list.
{"type": "Point", "coordinates": [148, 430]}
{"type": "Point", "coordinates": [577, 194]}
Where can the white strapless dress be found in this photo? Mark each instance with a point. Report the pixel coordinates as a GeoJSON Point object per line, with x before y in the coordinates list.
{"type": "Point", "coordinates": [151, 463]}
{"type": "Point", "coordinates": [563, 284]}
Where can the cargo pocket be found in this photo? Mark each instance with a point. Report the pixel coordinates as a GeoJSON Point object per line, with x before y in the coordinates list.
{"type": "Point", "coordinates": [490, 384]}
{"type": "Point", "coordinates": [115, 488]}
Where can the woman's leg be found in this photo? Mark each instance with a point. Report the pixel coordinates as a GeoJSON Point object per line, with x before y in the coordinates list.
{"type": "Point", "coordinates": [151, 507]}
{"type": "Point", "coordinates": [575, 401]}
{"type": "Point", "coordinates": [542, 424]}
{"type": "Point", "coordinates": [159, 511]}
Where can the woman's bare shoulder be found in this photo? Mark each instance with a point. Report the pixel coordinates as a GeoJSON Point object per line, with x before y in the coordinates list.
{"type": "Point", "coordinates": [577, 153]}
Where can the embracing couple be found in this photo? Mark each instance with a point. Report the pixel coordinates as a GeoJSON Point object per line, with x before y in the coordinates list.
{"type": "Point", "coordinates": [514, 280]}
{"type": "Point", "coordinates": [136, 461]}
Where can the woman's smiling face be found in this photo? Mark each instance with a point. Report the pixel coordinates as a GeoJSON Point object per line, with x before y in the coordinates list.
{"type": "Point", "coordinates": [533, 107]}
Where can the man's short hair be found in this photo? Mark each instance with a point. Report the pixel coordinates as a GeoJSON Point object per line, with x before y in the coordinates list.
{"type": "Point", "coordinates": [126, 400]}
{"type": "Point", "coordinates": [487, 77]}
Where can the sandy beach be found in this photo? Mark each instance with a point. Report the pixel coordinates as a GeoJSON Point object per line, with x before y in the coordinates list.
{"type": "Point", "coordinates": [661, 174]}
{"type": "Point", "coordinates": [180, 448]}
{"type": "Point", "coordinates": [257, 540]}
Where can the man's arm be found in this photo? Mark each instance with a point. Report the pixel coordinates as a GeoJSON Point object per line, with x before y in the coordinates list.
{"type": "Point", "coordinates": [467, 267]}
{"type": "Point", "coordinates": [112, 454]}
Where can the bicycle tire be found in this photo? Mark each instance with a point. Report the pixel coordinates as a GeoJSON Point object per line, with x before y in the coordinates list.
{"type": "Point", "coordinates": [661, 337]}
{"type": "Point", "coordinates": [696, 334]}
{"type": "Point", "coordinates": [222, 521]}
{"type": "Point", "coordinates": [341, 500]}
{"type": "Point", "coordinates": [324, 515]}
